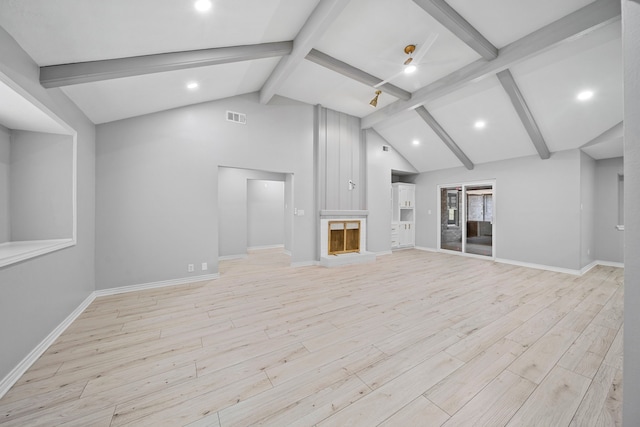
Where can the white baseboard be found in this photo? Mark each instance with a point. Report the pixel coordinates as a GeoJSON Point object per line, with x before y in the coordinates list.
{"type": "Point", "coordinates": [611, 264]}
{"type": "Point", "coordinates": [383, 253]}
{"type": "Point", "coordinates": [286, 252]}
{"type": "Point", "coordinates": [422, 248]}
{"type": "Point", "coordinates": [588, 267]}
{"type": "Point", "coordinates": [153, 285]}
{"type": "Point", "coordinates": [12, 377]}
{"type": "Point", "coordinates": [539, 266]}
{"type": "Point", "coordinates": [229, 257]}
{"type": "Point", "coordinates": [305, 263]}
{"type": "Point", "coordinates": [260, 248]}
{"type": "Point", "coordinates": [8, 381]}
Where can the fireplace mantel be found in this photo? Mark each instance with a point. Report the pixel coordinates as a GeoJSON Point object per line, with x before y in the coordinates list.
{"type": "Point", "coordinates": [344, 213]}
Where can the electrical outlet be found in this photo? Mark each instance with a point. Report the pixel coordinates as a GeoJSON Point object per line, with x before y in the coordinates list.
{"type": "Point", "coordinates": [204, 266]}
{"type": "Point", "coordinates": [190, 268]}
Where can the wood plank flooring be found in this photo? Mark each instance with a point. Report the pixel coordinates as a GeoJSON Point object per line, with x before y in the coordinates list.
{"type": "Point", "coordinates": [414, 339]}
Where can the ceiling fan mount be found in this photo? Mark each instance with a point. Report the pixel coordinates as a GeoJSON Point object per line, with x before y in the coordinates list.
{"type": "Point", "coordinates": [408, 64]}
{"type": "Point", "coordinates": [409, 49]}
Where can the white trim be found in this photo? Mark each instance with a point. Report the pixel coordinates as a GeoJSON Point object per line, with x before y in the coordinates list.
{"type": "Point", "coordinates": [588, 267]}
{"type": "Point", "coordinates": [12, 377]}
{"type": "Point", "coordinates": [259, 248]}
{"type": "Point", "coordinates": [286, 252]}
{"type": "Point", "coordinates": [154, 285]}
{"type": "Point", "coordinates": [611, 263]}
{"type": "Point", "coordinates": [539, 266]}
{"type": "Point", "coordinates": [12, 252]}
{"type": "Point", "coordinates": [229, 257]}
{"type": "Point", "coordinates": [383, 253]}
{"type": "Point", "coordinates": [620, 227]}
{"type": "Point", "coordinates": [422, 248]}
{"type": "Point", "coordinates": [344, 213]}
{"type": "Point", "coordinates": [305, 263]}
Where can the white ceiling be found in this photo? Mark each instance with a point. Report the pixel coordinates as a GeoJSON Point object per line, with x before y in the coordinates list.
{"type": "Point", "coordinates": [368, 35]}
{"type": "Point", "coordinates": [19, 113]}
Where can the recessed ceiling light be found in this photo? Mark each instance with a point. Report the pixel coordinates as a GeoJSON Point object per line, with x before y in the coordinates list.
{"type": "Point", "coordinates": [192, 85]}
{"type": "Point", "coordinates": [410, 69]}
{"type": "Point", "coordinates": [416, 142]}
{"type": "Point", "coordinates": [480, 124]}
{"type": "Point", "coordinates": [202, 5]}
{"type": "Point", "coordinates": [585, 95]}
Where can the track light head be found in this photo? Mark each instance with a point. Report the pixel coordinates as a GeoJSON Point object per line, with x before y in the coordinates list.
{"type": "Point", "coordinates": [374, 101]}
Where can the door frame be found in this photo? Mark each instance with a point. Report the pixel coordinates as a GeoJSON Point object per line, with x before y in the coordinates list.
{"type": "Point", "coordinates": [463, 216]}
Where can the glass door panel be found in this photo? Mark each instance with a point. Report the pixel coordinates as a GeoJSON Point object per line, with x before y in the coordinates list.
{"type": "Point", "coordinates": [479, 220]}
{"type": "Point", "coordinates": [451, 226]}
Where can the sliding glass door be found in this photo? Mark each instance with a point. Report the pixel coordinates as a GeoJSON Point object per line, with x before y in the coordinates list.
{"type": "Point", "coordinates": [467, 218]}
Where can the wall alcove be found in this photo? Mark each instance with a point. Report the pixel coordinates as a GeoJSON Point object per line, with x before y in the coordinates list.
{"type": "Point", "coordinates": [37, 177]}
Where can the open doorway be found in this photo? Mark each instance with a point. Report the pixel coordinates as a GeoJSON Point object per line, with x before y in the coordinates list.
{"type": "Point", "coordinates": [467, 222]}
{"type": "Point", "coordinates": [255, 210]}
{"type": "Point", "coordinates": [265, 214]}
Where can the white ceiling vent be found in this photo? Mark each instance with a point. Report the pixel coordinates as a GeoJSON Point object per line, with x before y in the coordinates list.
{"type": "Point", "coordinates": [237, 117]}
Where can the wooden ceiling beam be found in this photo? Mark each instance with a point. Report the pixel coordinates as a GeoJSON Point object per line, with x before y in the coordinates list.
{"type": "Point", "coordinates": [444, 136]}
{"type": "Point", "coordinates": [583, 21]}
{"type": "Point", "coordinates": [319, 21]}
{"type": "Point", "coordinates": [454, 22]}
{"type": "Point", "coordinates": [526, 117]}
{"type": "Point", "coordinates": [356, 74]}
{"type": "Point", "coordinates": [93, 71]}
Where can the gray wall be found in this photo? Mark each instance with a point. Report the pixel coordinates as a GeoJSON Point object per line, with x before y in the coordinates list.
{"type": "Point", "coordinates": [631, 55]}
{"type": "Point", "coordinates": [157, 184]}
{"type": "Point", "coordinates": [341, 157]}
{"type": "Point", "coordinates": [537, 207]}
{"type": "Point", "coordinates": [41, 186]}
{"type": "Point", "coordinates": [587, 208]}
{"type": "Point", "coordinates": [265, 213]}
{"type": "Point", "coordinates": [233, 206]}
{"type": "Point", "coordinates": [379, 166]}
{"type": "Point", "coordinates": [5, 160]}
{"type": "Point", "coordinates": [609, 244]}
{"type": "Point", "coordinates": [288, 213]}
{"type": "Point", "coordinates": [38, 294]}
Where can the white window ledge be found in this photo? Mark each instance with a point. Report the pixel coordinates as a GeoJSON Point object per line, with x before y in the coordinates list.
{"type": "Point", "coordinates": [12, 252]}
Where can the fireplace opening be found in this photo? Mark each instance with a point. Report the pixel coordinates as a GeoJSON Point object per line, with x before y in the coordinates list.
{"type": "Point", "coordinates": [344, 237]}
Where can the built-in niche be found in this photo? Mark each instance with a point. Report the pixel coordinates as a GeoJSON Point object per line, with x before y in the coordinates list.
{"type": "Point", "coordinates": [37, 177]}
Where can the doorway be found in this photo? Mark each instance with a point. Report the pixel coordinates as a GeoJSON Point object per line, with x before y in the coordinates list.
{"type": "Point", "coordinates": [466, 218]}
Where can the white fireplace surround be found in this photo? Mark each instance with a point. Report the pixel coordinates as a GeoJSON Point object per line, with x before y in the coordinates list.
{"type": "Point", "coordinates": [348, 258]}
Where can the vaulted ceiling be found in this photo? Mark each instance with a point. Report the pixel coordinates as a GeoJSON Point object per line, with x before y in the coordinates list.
{"type": "Point", "coordinates": [515, 65]}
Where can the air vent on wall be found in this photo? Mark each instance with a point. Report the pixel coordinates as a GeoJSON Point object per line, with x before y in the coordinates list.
{"type": "Point", "coordinates": [237, 117]}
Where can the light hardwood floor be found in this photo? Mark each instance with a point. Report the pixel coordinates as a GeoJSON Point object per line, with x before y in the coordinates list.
{"type": "Point", "coordinates": [415, 339]}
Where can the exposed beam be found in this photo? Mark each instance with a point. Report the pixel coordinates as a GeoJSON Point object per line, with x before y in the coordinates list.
{"type": "Point", "coordinates": [450, 19]}
{"type": "Point", "coordinates": [356, 74]}
{"type": "Point", "coordinates": [321, 18]}
{"type": "Point", "coordinates": [521, 107]}
{"type": "Point", "coordinates": [614, 133]}
{"type": "Point", "coordinates": [581, 22]}
{"type": "Point", "coordinates": [444, 136]}
{"type": "Point", "coordinates": [92, 71]}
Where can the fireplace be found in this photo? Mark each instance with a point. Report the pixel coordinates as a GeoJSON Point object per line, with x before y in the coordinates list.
{"type": "Point", "coordinates": [344, 237]}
